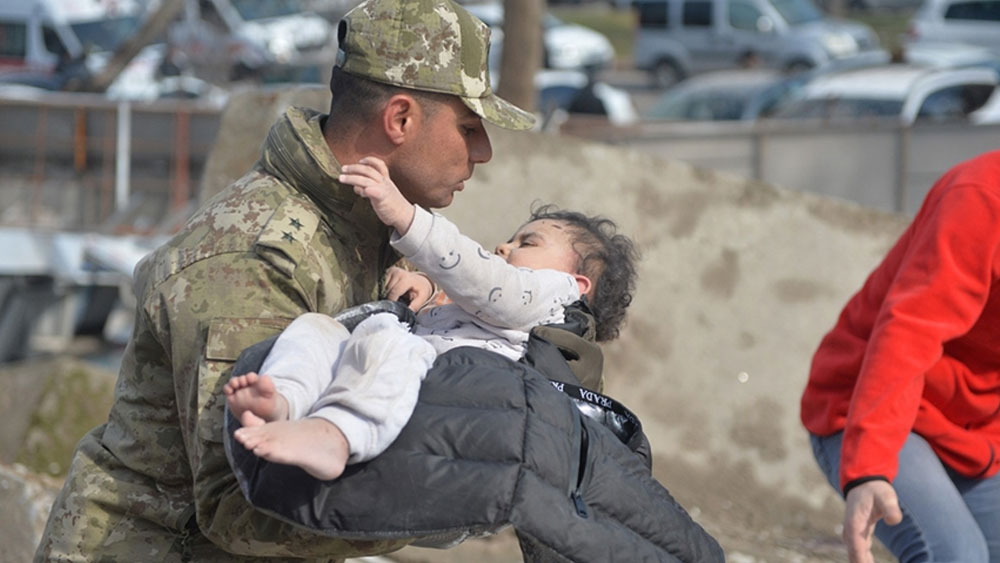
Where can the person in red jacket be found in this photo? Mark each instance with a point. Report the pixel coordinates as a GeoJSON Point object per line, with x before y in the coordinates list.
{"type": "Point", "coordinates": [903, 398]}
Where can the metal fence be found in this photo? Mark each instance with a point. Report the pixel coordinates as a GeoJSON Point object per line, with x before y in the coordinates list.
{"type": "Point", "coordinates": [83, 162]}
{"type": "Point", "coordinates": [880, 164]}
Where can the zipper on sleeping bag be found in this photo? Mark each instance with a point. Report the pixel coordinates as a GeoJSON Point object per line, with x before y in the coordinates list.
{"type": "Point", "coordinates": [576, 496]}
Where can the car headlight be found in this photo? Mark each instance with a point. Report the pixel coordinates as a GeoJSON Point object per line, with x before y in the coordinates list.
{"type": "Point", "coordinates": [839, 44]}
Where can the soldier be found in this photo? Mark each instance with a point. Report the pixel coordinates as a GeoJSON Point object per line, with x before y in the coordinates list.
{"type": "Point", "coordinates": [410, 86]}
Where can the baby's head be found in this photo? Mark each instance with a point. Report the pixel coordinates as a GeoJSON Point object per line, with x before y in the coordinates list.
{"type": "Point", "coordinates": [590, 248]}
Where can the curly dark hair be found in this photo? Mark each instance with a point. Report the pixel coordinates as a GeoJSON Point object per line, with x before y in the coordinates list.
{"type": "Point", "coordinates": [607, 257]}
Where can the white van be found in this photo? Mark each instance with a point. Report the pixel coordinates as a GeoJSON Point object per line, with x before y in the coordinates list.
{"type": "Point", "coordinates": [49, 43]}
{"type": "Point", "coordinates": [231, 36]}
{"type": "Point", "coordinates": [677, 38]}
{"type": "Point", "coordinates": [36, 35]}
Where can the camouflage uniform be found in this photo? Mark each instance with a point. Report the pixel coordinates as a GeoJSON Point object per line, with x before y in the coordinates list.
{"type": "Point", "coordinates": [277, 243]}
{"type": "Point", "coordinates": [154, 483]}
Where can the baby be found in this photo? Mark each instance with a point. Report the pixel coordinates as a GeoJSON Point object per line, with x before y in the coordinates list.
{"type": "Point", "coordinates": [330, 397]}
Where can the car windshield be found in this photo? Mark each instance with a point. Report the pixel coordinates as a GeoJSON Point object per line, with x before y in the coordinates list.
{"type": "Point", "coordinates": [105, 35]}
{"type": "Point", "coordinates": [797, 11]}
{"type": "Point", "coordinates": [263, 9]}
{"type": "Point", "coordinates": [841, 108]}
{"type": "Point", "coordinates": [704, 106]}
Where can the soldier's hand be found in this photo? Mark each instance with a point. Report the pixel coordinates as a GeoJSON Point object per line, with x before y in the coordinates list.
{"type": "Point", "coordinates": [370, 178]}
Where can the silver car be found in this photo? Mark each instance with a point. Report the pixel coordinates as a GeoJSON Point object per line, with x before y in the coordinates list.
{"type": "Point", "coordinates": [678, 38]}
{"type": "Point", "coordinates": [906, 92]}
{"type": "Point", "coordinates": [974, 22]}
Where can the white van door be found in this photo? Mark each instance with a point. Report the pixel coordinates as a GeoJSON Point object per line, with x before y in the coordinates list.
{"type": "Point", "coordinates": [699, 32]}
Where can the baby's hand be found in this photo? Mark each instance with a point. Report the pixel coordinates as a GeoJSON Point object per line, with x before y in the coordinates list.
{"type": "Point", "coordinates": [370, 178]}
{"type": "Point", "coordinates": [416, 286]}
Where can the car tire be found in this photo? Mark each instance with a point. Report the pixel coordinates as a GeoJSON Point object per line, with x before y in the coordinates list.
{"type": "Point", "coordinates": [665, 74]}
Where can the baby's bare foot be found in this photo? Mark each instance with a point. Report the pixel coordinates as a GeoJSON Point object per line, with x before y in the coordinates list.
{"type": "Point", "coordinates": [313, 444]}
{"type": "Point", "coordinates": [254, 394]}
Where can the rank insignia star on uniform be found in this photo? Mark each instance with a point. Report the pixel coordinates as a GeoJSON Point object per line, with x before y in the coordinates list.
{"type": "Point", "coordinates": [287, 236]}
{"type": "Point", "coordinates": [296, 223]}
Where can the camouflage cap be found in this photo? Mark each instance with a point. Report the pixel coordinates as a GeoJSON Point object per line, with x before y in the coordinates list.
{"type": "Point", "coordinates": [430, 45]}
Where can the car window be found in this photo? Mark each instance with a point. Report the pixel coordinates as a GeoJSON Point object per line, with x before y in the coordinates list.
{"type": "Point", "coordinates": [652, 14]}
{"type": "Point", "coordinates": [954, 102]}
{"type": "Point", "coordinates": [105, 35]}
{"type": "Point", "coordinates": [696, 13]}
{"type": "Point", "coordinates": [803, 109]}
{"type": "Point", "coordinates": [13, 40]}
{"type": "Point", "coordinates": [859, 108]}
{"type": "Point", "coordinates": [52, 42]}
{"type": "Point", "coordinates": [262, 9]}
{"type": "Point", "coordinates": [840, 108]}
{"type": "Point", "coordinates": [700, 105]}
{"type": "Point", "coordinates": [977, 10]}
{"type": "Point", "coordinates": [797, 11]}
{"type": "Point", "coordinates": [743, 15]}
{"type": "Point", "coordinates": [721, 106]}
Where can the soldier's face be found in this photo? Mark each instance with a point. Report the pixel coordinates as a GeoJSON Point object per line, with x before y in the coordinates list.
{"type": "Point", "coordinates": [437, 161]}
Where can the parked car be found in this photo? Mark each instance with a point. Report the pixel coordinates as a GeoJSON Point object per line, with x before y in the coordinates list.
{"type": "Point", "coordinates": [947, 54]}
{"type": "Point", "coordinates": [976, 22]}
{"type": "Point", "coordinates": [880, 6]}
{"type": "Point", "coordinates": [566, 45]}
{"type": "Point", "coordinates": [572, 91]}
{"type": "Point", "coordinates": [239, 37]}
{"type": "Point", "coordinates": [557, 90]}
{"type": "Point", "coordinates": [56, 44]}
{"type": "Point", "coordinates": [909, 93]}
{"type": "Point", "coordinates": [39, 35]}
{"type": "Point", "coordinates": [727, 95]}
{"type": "Point", "coordinates": [678, 38]}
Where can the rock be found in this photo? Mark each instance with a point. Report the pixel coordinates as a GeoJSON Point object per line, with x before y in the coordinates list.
{"type": "Point", "coordinates": [25, 499]}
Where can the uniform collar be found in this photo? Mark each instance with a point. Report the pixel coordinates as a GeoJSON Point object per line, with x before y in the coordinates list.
{"type": "Point", "coordinates": [296, 152]}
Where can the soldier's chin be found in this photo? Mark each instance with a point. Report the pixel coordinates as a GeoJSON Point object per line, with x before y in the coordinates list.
{"type": "Point", "coordinates": [444, 201]}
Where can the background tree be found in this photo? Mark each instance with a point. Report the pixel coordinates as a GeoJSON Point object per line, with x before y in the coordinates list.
{"type": "Point", "coordinates": [522, 51]}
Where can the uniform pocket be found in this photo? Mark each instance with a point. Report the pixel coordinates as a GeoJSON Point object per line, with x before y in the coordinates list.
{"type": "Point", "coordinates": [227, 338]}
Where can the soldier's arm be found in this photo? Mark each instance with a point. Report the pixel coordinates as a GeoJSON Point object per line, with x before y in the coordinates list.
{"type": "Point", "coordinates": [205, 316]}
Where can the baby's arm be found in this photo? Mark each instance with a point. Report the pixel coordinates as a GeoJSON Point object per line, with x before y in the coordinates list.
{"type": "Point", "coordinates": [481, 282]}
{"type": "Point", "coordinates": [370, 178]}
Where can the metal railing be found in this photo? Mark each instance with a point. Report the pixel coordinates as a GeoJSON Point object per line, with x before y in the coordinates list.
{"type": "Point", "coordinates": [880, 164]}
{"type": "Point", "coordinates": [83, 162]}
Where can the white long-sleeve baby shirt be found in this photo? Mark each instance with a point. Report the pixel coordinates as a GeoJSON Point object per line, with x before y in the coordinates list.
{"type": "Point", "coordinates": [494, 304]}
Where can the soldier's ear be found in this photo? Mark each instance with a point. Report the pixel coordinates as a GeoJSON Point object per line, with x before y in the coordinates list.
{"type": "Point", "coordinates": [400, 118]}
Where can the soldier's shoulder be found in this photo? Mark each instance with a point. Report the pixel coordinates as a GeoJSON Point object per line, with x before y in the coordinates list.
{"type": "Point", "coordinates": [284, 239]}
{"type": "Point", "coordinates": [255, 211]}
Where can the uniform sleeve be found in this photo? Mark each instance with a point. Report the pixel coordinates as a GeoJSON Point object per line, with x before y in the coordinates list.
{"type": "Point", "coordinates": [204, 325]}
{"type": "Point", "coordinates": [482, 283]}
{"type": "Point", "coordinates": [938, 293]}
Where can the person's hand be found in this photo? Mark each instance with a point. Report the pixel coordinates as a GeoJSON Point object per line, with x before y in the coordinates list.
{"type": "Point", "coordinates": [416, 286]}
{"type": "Point", "coordinates": [868, 503]}
{"type": "Point", "coordinates": [370, 178]}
